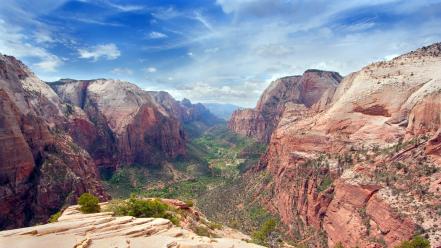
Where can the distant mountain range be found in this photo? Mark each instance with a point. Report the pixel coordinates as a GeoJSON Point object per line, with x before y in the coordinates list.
{"type": "Point", "coordinates": [221, 110]}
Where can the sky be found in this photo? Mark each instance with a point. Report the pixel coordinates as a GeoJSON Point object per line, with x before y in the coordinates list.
{"type": "Point", "coordinates": [224, 51]}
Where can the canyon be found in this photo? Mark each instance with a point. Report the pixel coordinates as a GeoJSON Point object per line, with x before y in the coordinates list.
{"type": "Point", "coordinates": [55, 137]}
{"type": "Point", "coordinates": [349, 161]}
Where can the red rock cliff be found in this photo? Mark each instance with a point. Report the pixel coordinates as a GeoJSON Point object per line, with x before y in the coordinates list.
{"type": "Point", "coordinates": [123, 124]}
{"type": "Point", "coordinates": [305, 90]}
{"type": "Point", "coordinates": [41, 169]}
{"type": "Point", "coordinates": [366, 169]}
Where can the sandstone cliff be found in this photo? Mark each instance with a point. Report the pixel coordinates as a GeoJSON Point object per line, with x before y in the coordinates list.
{"type": "Point", "coordinates": [123, 125]}
{"type": "Point", "coordinates": [313, 89]}
{"type": "Point", "coordinates": [366, 168]}
{"type": "Point", "coordinates": [41, 168]}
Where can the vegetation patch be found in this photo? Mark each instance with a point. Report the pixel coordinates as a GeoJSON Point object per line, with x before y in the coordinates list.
{"type": "Point", "coordinates": [143, 208]}
{"type": "Point", "coordinates": [416, 242]}
{"type": "Point", "coordinates": [54, 217]}
{"type": "Point", "coordinates": [88, 203]}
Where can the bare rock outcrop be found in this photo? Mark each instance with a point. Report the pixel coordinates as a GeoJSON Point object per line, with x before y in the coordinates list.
{"type": "Point", "coordinates": [313, 89]}
{"type": "Point", "coordinates": [74, 229]}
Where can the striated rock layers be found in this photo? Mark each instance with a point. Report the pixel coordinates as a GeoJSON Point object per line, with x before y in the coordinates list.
{"type": "Point", "coordinates": [41, 168]}
{"type": "Point", "coordinates": [120, 123]}
{"type": "Point", "coordinates": [75, 229]}
{"type": "Point", "coordinates": [364, 169]}
{"type": "Point", "coordinates": [311, 90]}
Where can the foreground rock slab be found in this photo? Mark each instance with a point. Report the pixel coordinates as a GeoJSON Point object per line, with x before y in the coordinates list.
{"type": "Point", "coordinates": [75, 229]}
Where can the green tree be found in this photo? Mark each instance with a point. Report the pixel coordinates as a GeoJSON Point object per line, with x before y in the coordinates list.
{"type": "Point", "coordinates": [88, 203]}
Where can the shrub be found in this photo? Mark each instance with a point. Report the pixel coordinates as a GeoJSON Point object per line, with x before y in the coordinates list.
{"type": "Point", "coordinates": [54, 217]}
{"type": "Point", "coordinates": [261, 236]}
{"type": "Point", "coordinates": [202, 231]}
{"type": "Point", "coordinates": [214, 225]}
{"type": "Point", "coordinates": [416, 242]}
{"type": "Point", "coordinates": [325, 183]}
{"type": "Point", "coordinates": [143, 208]}
{"type": "Point", "coordinates": [339, 245]}
{"type": "Point", "coordinates": [189, 203]}
{"type": "Point", "coordinates": [88, 203]}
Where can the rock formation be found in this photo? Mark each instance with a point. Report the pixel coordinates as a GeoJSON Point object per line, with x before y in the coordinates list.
{"type": "Point", "coordinates": [54, 136]}
{"type": "Point", "coordinates": [192, 116]}
{"type": "Point", "coordinates": [74, 229]}
{"type": "Point", "coordinates": [314, 87]}
{"type": "Point", "coordinates": [41, 168]}
{"type": "Point", "coordinates": [364, 166]}
{"type": "Point", "coordinates": [123, 125]}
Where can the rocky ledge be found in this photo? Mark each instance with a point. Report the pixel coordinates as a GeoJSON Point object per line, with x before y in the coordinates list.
{"type": "Point", "coordinates": [75, 229]}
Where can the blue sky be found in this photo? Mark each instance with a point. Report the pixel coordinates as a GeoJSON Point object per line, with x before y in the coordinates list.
{"type": "Point", "coordinates": [211, 51]}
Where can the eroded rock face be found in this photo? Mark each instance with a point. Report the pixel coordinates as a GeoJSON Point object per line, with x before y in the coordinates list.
{"type": "Point", "coordinates": [358, 216]}
{"type": "Point", "coordinates": [373, 139]}
{"type": "Point", "coordinates": [184, 110]}
{"type": "Point", "coordinates": [75, 229]}
{"type": "Point", "coordinates": [41, 169]}
{"type": "Point", "coordinates": [123, 123]}
{"type": "Point", "coordinates": [313, 89]}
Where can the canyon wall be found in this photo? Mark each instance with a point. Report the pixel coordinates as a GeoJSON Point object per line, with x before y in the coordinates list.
{"type": "Point", "coordinates": [120, 123]}
{"type": "Point", "coordinates": [54, 136]}
{"type": "Point", "coordinates": [314, 87]}
{"type": "Point", "coordinates": [364, 168]}
{"type": "Point", "coordinates": [41, 168]}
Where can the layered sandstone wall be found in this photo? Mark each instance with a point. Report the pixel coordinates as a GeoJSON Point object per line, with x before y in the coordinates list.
{"type": "Point", "coordinates": [41, 169]}
{"type": "Point", "coordinates": [313, 89]}
{"type": "Point", "coordinates": [365, 168]}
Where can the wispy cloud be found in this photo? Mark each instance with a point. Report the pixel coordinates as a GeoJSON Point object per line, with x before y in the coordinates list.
{"type": "Point", "coordinates": [267, 39]}
{"type": "Point", "coordinates": [125, 8]}
{"type": "Point", "coordinates": [108, 51]}
{"type": "Point", "coordinates": [122, 71]}
{"type": "Point", "coordinates": [151, 69]}
{"type": "Point", "coordinates": [13, 41]}
{"type": "Point", "coordinates": [202, 19]}
{"type": "Point", "coordinates": [157, 35]}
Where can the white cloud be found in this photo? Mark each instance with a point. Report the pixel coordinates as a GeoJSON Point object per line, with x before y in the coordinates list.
{"type": "Point", "coordinates": [122, 71]}
{"type": "Point", "coordinates": [390, 56]}
{"type": "Point", "coordinates": [203, 20]}
{"type": "Point", "coordinates": [14, 42]}
{"type": "Point", "coordinates": [211, 50]}
{"type": "Point", "coordinates": [125, 8]}
{"type": "Point", "coordinates": [251, 51]}
{"type": "Point", "coordinates": [206, 92]}
{"type": "Point", "coordinates": [42, 36]}
{"type": "Point", "coordinates": [157, 35]}
{"type": "Point", "coordinates": [151, 69]}
{"type": "Point", "coordinates": [108, 51]}
{"type": "Point", "coordinates": [166, 13]}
